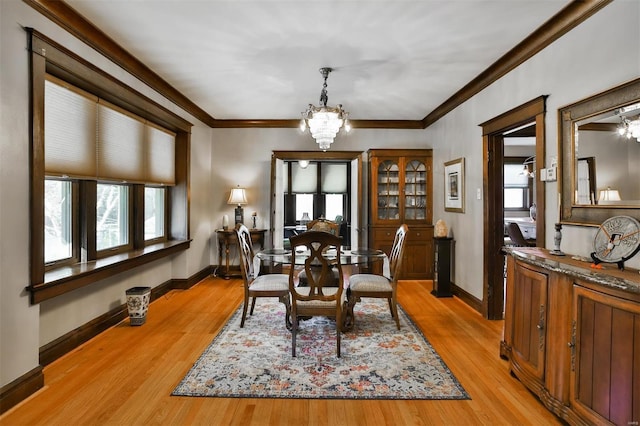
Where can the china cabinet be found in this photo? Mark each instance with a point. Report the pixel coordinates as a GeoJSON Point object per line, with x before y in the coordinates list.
{"type": "Point", "coordinates": [401, 192]}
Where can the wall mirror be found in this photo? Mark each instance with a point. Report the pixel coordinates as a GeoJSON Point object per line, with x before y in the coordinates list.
{"type": "Point", "coordinates": [600, 155]}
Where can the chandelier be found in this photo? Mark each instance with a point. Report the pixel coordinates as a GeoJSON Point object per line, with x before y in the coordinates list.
{"type": "Point", "coordinates": [325, 122]}
{"type": "Point", "coordinates": [629, 128]}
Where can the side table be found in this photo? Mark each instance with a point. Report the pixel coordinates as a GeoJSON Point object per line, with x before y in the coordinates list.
{"type": "Point", "coordinates": [228, 238]}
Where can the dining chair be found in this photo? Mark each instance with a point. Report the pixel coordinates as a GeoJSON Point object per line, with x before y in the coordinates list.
{"type": "Point", "coordinates": [317, 298]}
{"type": "Point", "coordinates": [515, 234]}
{"type": "Point", "coordinates": [269, 285]}
{"type": "Point", "coordinates": [323, 225]}
{"type": "Point", "coordinates": [381, 286]}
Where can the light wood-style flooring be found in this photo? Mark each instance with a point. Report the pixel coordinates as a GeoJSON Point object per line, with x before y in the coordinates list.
{"type": "Point", "coordinates": [125, 375]}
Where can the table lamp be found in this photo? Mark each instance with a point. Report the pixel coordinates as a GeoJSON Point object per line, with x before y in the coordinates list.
{"type": "Point", "coordinates": [238, 197]}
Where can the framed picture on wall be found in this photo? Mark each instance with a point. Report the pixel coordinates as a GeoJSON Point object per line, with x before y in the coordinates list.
{"type": "Point", "coordinates": [454, 185]}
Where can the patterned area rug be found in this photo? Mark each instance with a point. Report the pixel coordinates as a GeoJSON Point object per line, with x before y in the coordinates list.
{"type": "Point", "coordinates": [378, 361]}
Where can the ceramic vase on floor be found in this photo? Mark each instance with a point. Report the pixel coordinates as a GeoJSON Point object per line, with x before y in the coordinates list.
{"type": "Point", "coordinates": [138, 304]}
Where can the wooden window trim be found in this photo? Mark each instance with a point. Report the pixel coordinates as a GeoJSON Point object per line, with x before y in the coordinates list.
{"type": "Point", "coordinates": [48, 57]}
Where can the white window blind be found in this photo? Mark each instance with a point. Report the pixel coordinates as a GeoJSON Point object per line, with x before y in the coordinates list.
{"type": "Point", "coordinates": [88, 138]}
{"type": "Point", "coordinates": [304, 181]}
{"type": "Point", "coordinates": [160, 164]}
{"type": "Point", "coordinates": [120, 145]}
{"type": "Point", "coordinates": [334, 178]}
{"type": "Point", "coordinates": [69, 132]}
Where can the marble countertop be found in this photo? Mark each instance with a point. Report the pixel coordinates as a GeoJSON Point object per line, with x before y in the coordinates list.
{"type": "Point", "coordinates": [609, 276]}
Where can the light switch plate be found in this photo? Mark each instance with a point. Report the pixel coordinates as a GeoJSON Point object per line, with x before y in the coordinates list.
{"type": "Point", "coordinates": [551, 173]}
{"type": "Point", "coordinates": [543, 175]}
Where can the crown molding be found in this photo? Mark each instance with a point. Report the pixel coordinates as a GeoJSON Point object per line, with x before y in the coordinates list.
{"type": "Point", "coordinates": [573, 14]}
{"type": "Point", "coordinates": [356, 124]}
{"type": "Point", "coordinates": [68, 18]}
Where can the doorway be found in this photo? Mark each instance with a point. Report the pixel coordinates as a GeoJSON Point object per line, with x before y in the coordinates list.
{"type": "Point", "coordinates": [493, 136]}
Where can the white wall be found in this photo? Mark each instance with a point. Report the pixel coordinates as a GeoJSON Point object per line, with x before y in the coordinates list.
{"type": "Point", "coordinates": [599, 54]}
{"type": "Point", "coordinates": [250, 153]}
{"type": "Point", "coordinates": [24, 328]}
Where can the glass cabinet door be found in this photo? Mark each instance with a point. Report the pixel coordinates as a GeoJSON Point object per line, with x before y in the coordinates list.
{"type": "Point", "coordinates": [415, 190]}
{"type": "Point", "coordinates": [388, 180]}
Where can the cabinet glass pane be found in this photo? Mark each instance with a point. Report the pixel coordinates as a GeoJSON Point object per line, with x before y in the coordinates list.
{"type": "Point", "coordinates": [415, 190]}
{"type": "Point", "coordinates": [388, 180]}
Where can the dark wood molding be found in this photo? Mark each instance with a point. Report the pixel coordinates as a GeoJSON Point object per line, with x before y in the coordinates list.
{"type": "Point", "coordinates": [573, 14]}
{"type": "Point", "coordinates": [66, 279]}
{"type": "Point", "coordinates": [21, 388]}
{"type": "Point", "coordinates": [356, 124]}
{"type": "Point", "coordinates": [69, 19]}
{"type": "Point", "coordinates": [532, 112]}
{"type": "Point", "coordinates": [468, 298]}
{"type": "Point", "coordinates": [569, 17]}
{"type": "Point", "coordinates": [184, 284]}
{"type": "Point", "coordinates": [71, 340]}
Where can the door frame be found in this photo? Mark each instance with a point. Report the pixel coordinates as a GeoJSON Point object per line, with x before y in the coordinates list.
{"type": "Point", "coordinates": [493, 186]}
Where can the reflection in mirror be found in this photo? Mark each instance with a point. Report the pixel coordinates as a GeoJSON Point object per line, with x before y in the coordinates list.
{"type": "Point", "coordinates": [600, 156]}
{"type": "Point", "coordinates": [607, 139]}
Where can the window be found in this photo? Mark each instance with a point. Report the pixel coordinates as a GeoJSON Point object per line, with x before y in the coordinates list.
{"type": "Point", "coordinates": [58, 221]}
{"type": "Point", "coordinates": [518, 185]}
{"type": "Point", "coordinates": [105, 180]}
{"type": "Point", "coordinates": [318, 189]}
{"type": "Point", "coordinates": [112, 216]}
{"type": "Point", "coordinates": [154, 204]}
{"type": "Point", "coordinates": [304, 204]}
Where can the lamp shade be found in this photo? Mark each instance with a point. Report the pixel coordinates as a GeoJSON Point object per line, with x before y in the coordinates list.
{"type": "Point", "coordinates": [237, 196]}
{"type": "Point", "coordinates": [609, 195]}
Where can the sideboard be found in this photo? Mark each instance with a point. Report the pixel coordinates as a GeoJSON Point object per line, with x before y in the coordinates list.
{"type": "Point", "coordinates": [572, 335]}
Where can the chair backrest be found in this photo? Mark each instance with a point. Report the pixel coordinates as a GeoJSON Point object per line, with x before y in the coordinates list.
{"type": "Point", "coordinates": [322, 255]}
{"type": "Point", "coordinates": [324, 225]}
{"type": "Point", "coordinates": [245, 248]}
{"type": "Point", "coordinates": [515, 234]}
{"type": "Point", "coordinates": [396, 256]}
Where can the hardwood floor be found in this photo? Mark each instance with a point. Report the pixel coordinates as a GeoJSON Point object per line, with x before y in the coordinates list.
{"type": "Point", "coordinates": [125, 375]}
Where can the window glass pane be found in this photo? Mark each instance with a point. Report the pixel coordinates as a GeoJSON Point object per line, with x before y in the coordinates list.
{"type": "Point", "coordinates": [57, 220]}
{"type": "Point", "coordinates": [333, 205]}
{"type": "Point", "coordinates": [112, 213]}
{"type": "Point", "coordinates": [514, 176]}
{"type": "Point", "coordinates": [153, 212]}
{"type": "Point", "coordinates": [304, 204]}
{"type": "Point", "coordinates": [514, 198]}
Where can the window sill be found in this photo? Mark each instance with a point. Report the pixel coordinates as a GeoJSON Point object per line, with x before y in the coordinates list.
{"type": "Point", "coordinates": [67, 278]}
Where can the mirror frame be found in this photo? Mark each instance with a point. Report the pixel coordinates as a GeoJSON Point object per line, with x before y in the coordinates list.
{"type": "Point", "coordinates": [568, 116]}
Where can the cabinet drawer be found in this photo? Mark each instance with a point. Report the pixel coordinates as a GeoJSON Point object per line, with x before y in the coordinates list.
{"type": "Point", "coordinates": [384, 234]}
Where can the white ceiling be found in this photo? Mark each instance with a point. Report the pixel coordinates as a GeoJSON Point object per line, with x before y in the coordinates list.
{"type": "Point", "coordinates": [393, 60]}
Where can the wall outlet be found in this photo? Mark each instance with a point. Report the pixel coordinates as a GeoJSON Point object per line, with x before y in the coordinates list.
{"type": "Point", "coordinates": [479, 193]}
{"type": "Point", "coordinates": [551, 173]}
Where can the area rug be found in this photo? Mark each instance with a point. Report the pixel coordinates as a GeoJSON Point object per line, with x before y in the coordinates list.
{"type": "Point", "coordinates": [377, 362]}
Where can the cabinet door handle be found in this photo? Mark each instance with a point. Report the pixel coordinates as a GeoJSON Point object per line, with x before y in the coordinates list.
{"type": "Point", "coordinates": [418, 234]}
{"type": "Point", "coordinates": [540, 327]}
{"type": "Point", "coordinates": [572, 345]}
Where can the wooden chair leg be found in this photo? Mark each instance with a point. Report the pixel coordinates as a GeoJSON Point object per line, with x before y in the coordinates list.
{"type": "Point", "coordinates": [245, 305]}
{"type": "Point", "coordinates": [253, 305]}
{"type": "Point", "coordinates": [294, 331]}
{"type": "Point", "coordinates": [284, 299]}
{"type": "Point", "coordinates": [339, 335]}
{"type": "Point", "coordinates": [394, 312]}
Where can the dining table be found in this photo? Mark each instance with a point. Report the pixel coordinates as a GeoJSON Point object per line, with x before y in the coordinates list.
{"type": "Point", "coordinates": [361, 259]}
